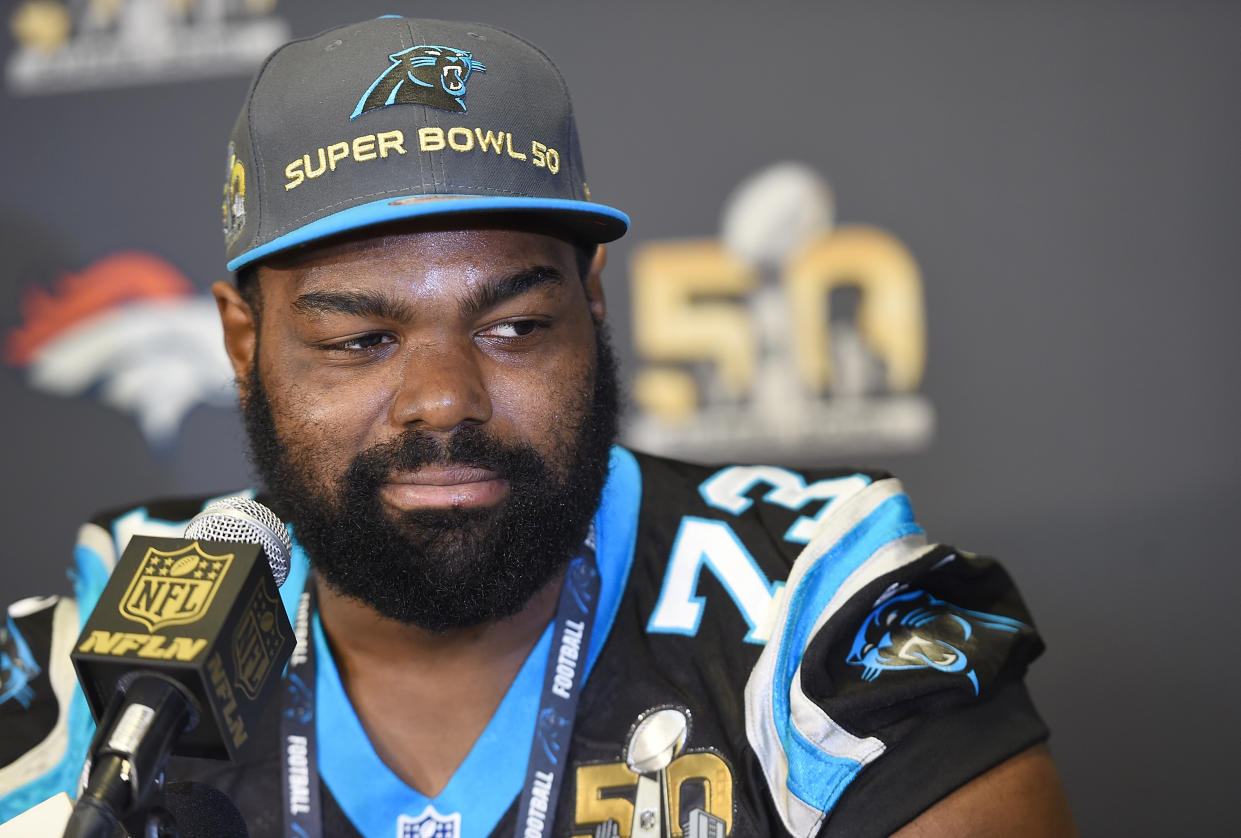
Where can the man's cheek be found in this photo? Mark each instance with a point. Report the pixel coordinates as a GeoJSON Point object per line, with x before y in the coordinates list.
{"type": "Point", "coordinates": [316, 437]}
{"type": "Point", "coordinates": [332, 412]}
{"type": "Point", "coordinates": [560, 436]}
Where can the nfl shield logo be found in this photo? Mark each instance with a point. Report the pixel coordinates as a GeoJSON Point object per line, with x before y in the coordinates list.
{"type": "Point", "coordinates": [257, 638]}
{"type": "Point", "coordinates": [174, 588]}
{"type": "Point", "coordinates": [430, 824]}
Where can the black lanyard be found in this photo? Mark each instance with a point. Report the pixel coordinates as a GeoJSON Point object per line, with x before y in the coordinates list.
{"type": "Point", "coordinates": [545, 770]}
{"type": "Point", "coordinates": [300, 778]}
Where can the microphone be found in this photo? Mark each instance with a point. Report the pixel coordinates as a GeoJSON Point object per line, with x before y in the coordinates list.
{"type": "Point", "coordinates": [249, 522]}
{"type": "Point", "coordinates": [181, 654]}
{"type": "Point", "coordinates": [203, 811]}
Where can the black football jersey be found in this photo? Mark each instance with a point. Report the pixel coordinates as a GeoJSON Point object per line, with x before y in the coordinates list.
{"type": "Point", "coordinates": [775, 652]}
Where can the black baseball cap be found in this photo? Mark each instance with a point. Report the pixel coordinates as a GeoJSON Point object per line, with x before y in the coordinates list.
{"type": "Point", "coordinates": [399, 118]}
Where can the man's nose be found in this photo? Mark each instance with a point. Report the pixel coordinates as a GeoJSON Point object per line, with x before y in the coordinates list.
{"type": "Point", "coordinates": [442, 387]}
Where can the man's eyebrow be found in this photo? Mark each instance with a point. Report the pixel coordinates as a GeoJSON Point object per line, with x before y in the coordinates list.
{"type": "Point", "coordinates": [376, 304]}
{"type": "Point", "coordinates": [355, 303]}
{"type": "Point", "coordinates": [491, 294]}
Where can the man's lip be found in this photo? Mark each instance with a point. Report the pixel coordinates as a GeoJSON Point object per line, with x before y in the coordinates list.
{"type": "Point", "coordinates": [444, 486]}
{"type": "Point", "coordinates": [443, 476]}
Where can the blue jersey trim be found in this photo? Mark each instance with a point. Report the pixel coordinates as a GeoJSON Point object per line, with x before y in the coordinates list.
{"type": "Point", "coordinates": [89, 576]}
{"type": "Point", "coordinates": [616, 534]}
{"type": "Point", "coordinates": [815, 777]}
{"type": "Point", "coordinates": [295, 582]}
{"type": "Point", "coordinates": [64, 775]}
{"type": "Point", "coordinates": [490, 777]}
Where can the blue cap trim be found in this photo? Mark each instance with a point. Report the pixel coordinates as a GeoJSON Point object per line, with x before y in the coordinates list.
{"type": "Point", "coordinates": [595, 222]}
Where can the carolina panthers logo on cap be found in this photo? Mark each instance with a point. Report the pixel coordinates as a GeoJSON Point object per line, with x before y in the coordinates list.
{"type": "Point", "coordinates": [422, 75]}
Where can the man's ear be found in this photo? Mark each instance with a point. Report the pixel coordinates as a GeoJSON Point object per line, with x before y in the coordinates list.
{"type": "Point", "coordinates": [240, 335]}
{"type": "Point", "coordinates": [594, 284]}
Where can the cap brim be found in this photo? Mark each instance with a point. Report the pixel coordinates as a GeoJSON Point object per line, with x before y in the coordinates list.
{"type": "Point", "coordinates": [591, 222]}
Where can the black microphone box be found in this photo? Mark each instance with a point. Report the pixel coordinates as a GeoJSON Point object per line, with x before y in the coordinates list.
{"type": "Point", "coordinates": [203, 613]}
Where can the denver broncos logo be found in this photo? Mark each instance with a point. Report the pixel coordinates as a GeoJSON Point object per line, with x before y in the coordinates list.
{"type": "Point", "coordinates": [422, 75]}
{"type": "Point", "coordinates": [131, 330]}
{"type": "Point", "coordinates": [914, 630]}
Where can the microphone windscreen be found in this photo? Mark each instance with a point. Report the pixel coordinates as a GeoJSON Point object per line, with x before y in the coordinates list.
{"type": "Point", "coordinates": [247, 521]}
{"type": "Point", "coordinates": [203, 811]}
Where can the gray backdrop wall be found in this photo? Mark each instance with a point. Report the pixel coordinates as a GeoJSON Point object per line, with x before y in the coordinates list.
{"type": "Point", "coordinates": [1065, 174]}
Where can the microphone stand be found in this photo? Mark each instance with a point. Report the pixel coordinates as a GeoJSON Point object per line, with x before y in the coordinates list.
{"type": "Point", "coordinates": [123, 780]}
{"type": "Point", "coordinates": [154, 821]}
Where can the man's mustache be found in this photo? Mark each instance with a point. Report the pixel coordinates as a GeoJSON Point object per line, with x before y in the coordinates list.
{"type": "Point", "coordinates": [468, 446]}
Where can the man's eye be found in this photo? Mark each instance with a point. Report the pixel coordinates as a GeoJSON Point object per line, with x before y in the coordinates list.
{"type": "Point", "coordinates": [360, 343]}
{"type": "Point", "coordinates": [514, 329]}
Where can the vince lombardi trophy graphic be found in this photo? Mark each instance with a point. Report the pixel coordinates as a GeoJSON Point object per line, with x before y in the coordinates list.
{"type": "Point", "coordinates": [656, 741]}
{"type": "Point", "coordinates": [834, 337]}
{"type": "Point", "coordinates": [767, 219]}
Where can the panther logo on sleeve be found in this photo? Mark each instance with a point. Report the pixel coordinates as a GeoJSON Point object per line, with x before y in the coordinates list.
{"type": "Point", "coordinates": [17, 665]}
{"type": "Point", "coordinates": [914, 630]}
{"type": "Point", "coordinates": [423, 75]}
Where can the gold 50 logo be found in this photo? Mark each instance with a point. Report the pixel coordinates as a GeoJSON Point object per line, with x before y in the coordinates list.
{"type": "Point", "coordinates": [785, 335]}
{"type": "Point", "coordinates": [659, 789]}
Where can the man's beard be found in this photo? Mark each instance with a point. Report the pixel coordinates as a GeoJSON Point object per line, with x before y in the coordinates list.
{"type": "Point", "coordinates": [446, 568]}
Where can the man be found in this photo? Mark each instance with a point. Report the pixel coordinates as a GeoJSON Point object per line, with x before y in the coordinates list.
{"type": "Point", "coordinates": [417, 329]}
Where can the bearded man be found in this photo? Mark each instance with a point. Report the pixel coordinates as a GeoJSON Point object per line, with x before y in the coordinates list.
{"type": "Point", "coordinates": [509, 627]}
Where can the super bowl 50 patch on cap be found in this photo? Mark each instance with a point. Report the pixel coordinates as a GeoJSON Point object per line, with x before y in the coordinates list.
{"type": "Point", "coordinates": [398, 118]}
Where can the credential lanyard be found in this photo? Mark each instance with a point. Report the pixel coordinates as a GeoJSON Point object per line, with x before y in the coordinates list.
{"type": "Point", "coordinates": [303, 817]}
{"type": "Point", "coordinates": [562, 687]}
{"type": "Point", "coordinates": [545, 770]}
